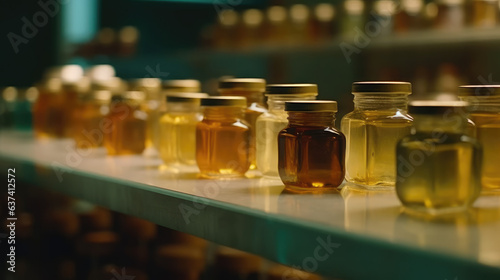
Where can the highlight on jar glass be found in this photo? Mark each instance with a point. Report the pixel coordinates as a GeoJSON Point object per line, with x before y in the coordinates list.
{"type": "Point", "coordinates": [270, 123]}
{"type": "Point", "coordinates": [151, 87]}
{"type": "Point", "coordinates": [88, 119]}
{"type": "Point", "coordinates": [378, 122]}
{"type": "Point", "coordinates": [178, 128]}
{"type": "Point", "coordinates": [223, 138]}
{"type": "Point", "coordinates": [311, 151]}
{"type": "Point", "coordinates": [126, 124]}
{"type": "Point", "coordinates": [253, 90]}
{"type": "Point", "coordinates": [485, 113]}
{"type": "Point", "coordinates": [438, 165]}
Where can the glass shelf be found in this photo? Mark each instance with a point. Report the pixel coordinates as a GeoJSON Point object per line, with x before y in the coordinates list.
{"type": "Point", "coordinates": [349, 235]}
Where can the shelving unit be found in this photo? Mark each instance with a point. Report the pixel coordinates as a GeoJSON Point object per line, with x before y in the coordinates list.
{"type": "Point", "coordinates": [369, 236]}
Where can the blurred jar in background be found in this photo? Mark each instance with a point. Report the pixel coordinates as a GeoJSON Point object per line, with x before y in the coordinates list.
{"type": "Point", "coordinates": [300, 26]}
{"type": "Point", "coordinates": [128, 38]}
{"type": "Point", "coordinates": [484, 13]}
{"type": "Point", "coordinates": [100, 72]}
{"type": "Point", "coordinates": [179, 262]}
{"type": "Point", "coordinates": [178, 128]}
{"type": "Point", "coordinates": [88, 119]}
{"type": "Point", "coordinates": [226, 34]}
{"type": "Point", "coordinates": [7, 107]}
{"type": "Point", "coordinates": [253, 91]}
{"type": "Point", "coordinates": [324, 25]}
{"type": "Point", "coordinates": [275, 25]}
{"type": "Point", "coordinates": [353, 17]}
{"type": "Point", "coordinates": [410, 16]}
{"type": "Point", "coordinates": [383, 14]}
{"type": "Point", "coordinates": [151, 87]}
{"type": "Point", "coordinates": [252, 20]}
{"type": "Point", "coordinates": [23, 108]}
{"type": "Point", "coordinates": [450, 14]}
{"type": "Point", "coordinates": [233, 264]}
{"type": "Point", "coordinates": [71, 92]}
{"type": "Point", "coordinates": [48, 111]}
{"type": "Point", "coordinates": [126, 129]}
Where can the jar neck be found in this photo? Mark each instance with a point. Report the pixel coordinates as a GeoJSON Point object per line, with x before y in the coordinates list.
{"type": "Point", "coordinates": [182, 107]}
{"type": "Point", "coordinates": [483, 103]}
{"type": "Point", "coordinates": [276, 104]}
{"type": "Point", "coordinates": [322, 119]}
{"type": "Point", "coordinates": [435, 124]}
{"type": "Point", "coordinates": [374, 101]}
{"type": "Point", "coordinates": [223, 113]}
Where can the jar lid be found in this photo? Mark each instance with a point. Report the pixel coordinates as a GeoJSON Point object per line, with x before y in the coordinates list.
{"type": "Point", "coordinates": [137, 96]}
{"type": "Point", "coordinates": [147, 83]}
{"type": "Point", "coordinates": [187, 85]}
{"type": "Point", "coordinates": [9, 94]}
{"type": "Point", "coordinates": [98, 95]}
{"type": "Point", "coordinates": [277, 89]}
{"type": "Point", "coordinates": [51, 85]}
{"type": "Point", "coordinates": [311, 106]}
{"type": "Point", "coordinates": [80, 85]}
{"type": "Point", "coordinates": [113, 84]}
{"type": "Point", "coordinates": [436, 107]}
{"type": "Point", "coordinates": [185, 97]}
{"type": "Point", "coordinates": [243, 83]}
{"type": "Point", "coordinates": [224, 101]}
{"type": "Point", "coordinates": [479, 90]}
{"type": "Point", "coordinates": [382, 87]}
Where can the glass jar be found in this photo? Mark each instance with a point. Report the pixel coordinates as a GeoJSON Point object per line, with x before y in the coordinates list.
{"type": "Point", "coordinates": [253, 91]}
{"type": "Point", "coordinates": [410, 16]}
{"type": "Point", "coordinates": [484, 13]}
{"type": "Point", "coordinates": [438, 165]}
{"type": "Point", "coordinates": [178, 128]}
{"type": "Point", "coordinates": [223, 138]}
{"type": "Point", "coordinates": [71, 90]}
{"type": "Point", "coordinates": [151, 87]}
{"type": "Point", "coordinates": [270, 123]}
{"type": "Point", "coordinates": [311, 151]}
{"type": "Point", "coordinates": [450, 14]}
{"type": "Point", "coordinates": [48, 111]}
{"type": "Point", "coordinates": [88, 119]}
{"type": "Point", "coordinates": [378, 122]}
{"type": "Point", "coordinates": [485, 113]}
{"type": "Point", "coordinates": [125, 130]}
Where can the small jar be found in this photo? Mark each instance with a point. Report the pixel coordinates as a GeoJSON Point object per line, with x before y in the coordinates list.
{"type": "Point", "coordinates": [484, 13]}
{"type": "Point", "coordinates": [223, 138]}
{"type": "Point", "coordinates": [438, 165]}
{"type": "Point", "coordinates": [353, 18]}
{"type": "Point", "coordinates": [151, 87]}
{"type": "Point", "coordinates": [253, 91]}
{"type": "Point", "coordinates": [8, 100]}
{"type": "Point", "coordinates": [410, 16]}
{"type": "Point", "coordinates": [125, 129]}
{"type": "Point", "coordinates": [88, 119]}
{"type": "Point", "coordinates": [49, 120]}
{"type": "Point", "coordinates": [270, 123]}
{"type": "Point", "coordinates": [71, 90]}
{"type": "Point", "coordinates": [378, 122]}
{"type": "Point", "coordinates": [311, 151]}
{"type": "Point", "coordinates": [178, 128]}
{"type": "Point", "coordinates": [485, 113]}
{"type": "Point", "coordinates": [450, 15]}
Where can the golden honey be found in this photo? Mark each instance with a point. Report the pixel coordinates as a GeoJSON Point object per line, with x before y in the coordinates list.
{"type": "Point", "coordinates": [253, 91]}
{"type": "Point", "coordinates": [88, 119]}
{"type": "Point", "coordinates": [178, 128]}
{"type": "Point", "coordinates": [223, 138]}
{"type": "Point", "coordinates": [378, 122]}
{"type": "Point", "coordinates": [438, 165]}
{"type": "Point", "coordinates": [125, 132]}
{"type": "Point", "coordinates": [485, 104]}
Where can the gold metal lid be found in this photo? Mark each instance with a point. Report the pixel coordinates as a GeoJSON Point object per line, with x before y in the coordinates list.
{"type": "Point", "coordinates": [98, 95]}
{"type": "Point", "coordinates": [277, 89]}
{"type": "Point", "coordinates": [238, 101]}
{"type": "Point", "coordinates": [136, 96]}
{"type": "Point", "coordinates": [51, 85]}
{"type": "Point", "coordinates": [243, 83]}
{"type": "Point", "coordinates": [113, 84]}
{"type": "Point", "coordinates": [186, 97]}
{"type": "Point", "coordinates": [381, 87]}
{"type": "Point", "coordinates": [187, 85]}
{"type": "Point", "coordinates": [311, 106]}
{"type": "Point", "coordinates": [479, 90]}
{"type": "Point", "coordinates": [9, 94]}
{"type": "Point", "coordinates": [431, 107]}
{"type": "Point", "coordinates": [147, 83]}
{"type": "Point", "coordinates": [81, 85]}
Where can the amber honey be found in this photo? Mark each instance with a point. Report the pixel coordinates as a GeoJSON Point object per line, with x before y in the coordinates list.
{"type": "Point", "coordinates": [48, 111]}
{"type": "Point", "coordinates": [253, 91]}
{"type": "Point", "coordinates": [88, 119]}
{"type": "Point", "coordinates": [125, 132]}
{"type": "Point", "coordinates": [223, 138]}
{"type": "Point", "coordinates": [311, 152]}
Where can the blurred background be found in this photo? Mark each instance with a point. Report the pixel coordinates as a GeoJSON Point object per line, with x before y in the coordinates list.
{"type": "Point", "coordinates": [436, 45]}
